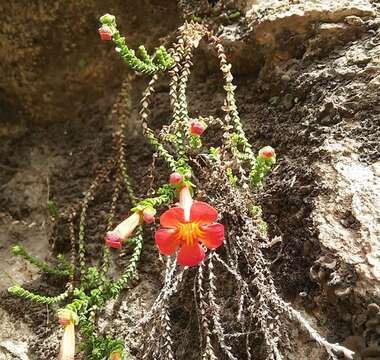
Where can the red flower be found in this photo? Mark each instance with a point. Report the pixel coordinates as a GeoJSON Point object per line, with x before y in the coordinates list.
{"type": "Point", "coordinates": [148, 215]}
{"type": "Point", "coordinates": [197, 128]}
{"type": "Point", "coordinates": [114, 240]}
{"type": "Point", "coordinates": [267, 152]}
{"type": "Point", "coordinates": [186, 226]}
{"type": "Point", "coordinates": [175, 178]}
{"type": "Point", "coordinates": [105, 32]}
{"type": "Point", "coordinates": [123, 231]}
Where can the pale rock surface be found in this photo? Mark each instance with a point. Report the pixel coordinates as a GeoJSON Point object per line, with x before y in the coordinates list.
{"type": "Point", "coordinates": [354, 190]}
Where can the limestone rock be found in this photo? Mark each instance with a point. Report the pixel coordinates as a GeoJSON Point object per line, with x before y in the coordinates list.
{"type": "Point", "coordinates": [348, 216]}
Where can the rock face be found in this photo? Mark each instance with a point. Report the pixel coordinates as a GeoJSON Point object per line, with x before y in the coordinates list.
{"type": "Point", "coordinates": [51, 54]}
{"type": "Point", "coordinates": [342, 97]}
{"type": "Point", "coordinates": [324, 58]}
{"type": "Point", "coordinates": [348, 216]}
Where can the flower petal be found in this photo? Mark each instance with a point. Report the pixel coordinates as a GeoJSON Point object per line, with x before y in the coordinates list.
{"type": "Point", "coordinates": [203, 213]}
{"type": "Point", "coordinates": [213, 235]}
{"type": "Point", "coordinates": [170, 218]}
{"type": "Point", "coordinates": [166, 241]}
{"type": "Point", "coordinates": [190, 255]}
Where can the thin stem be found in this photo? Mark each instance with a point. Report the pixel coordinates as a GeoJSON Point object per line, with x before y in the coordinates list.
{"type": "Point", "coordinates": [18, 250]}
{"type": "Point", "coordinates": [132, 266]}
{"type": "Point", "coordinates": [25, 294]}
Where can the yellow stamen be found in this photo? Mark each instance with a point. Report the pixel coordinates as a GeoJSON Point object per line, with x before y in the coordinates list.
{"type": "Point", "coordinates": [189, 232]}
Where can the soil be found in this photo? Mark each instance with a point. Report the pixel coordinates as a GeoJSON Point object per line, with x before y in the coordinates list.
{"type": "Point", "coordinates": [58, 162]}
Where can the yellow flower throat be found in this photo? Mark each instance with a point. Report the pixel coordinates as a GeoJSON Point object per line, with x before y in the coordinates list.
{"type": "Point", "coordinates": [189, 232]}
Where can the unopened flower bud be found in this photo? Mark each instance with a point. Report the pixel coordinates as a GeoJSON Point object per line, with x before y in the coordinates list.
{"type": "Point", "coordinates": [107, 19]}
{"type": "Point", "coordinates": [175, 178]}
{"type": "Point", "coordinates": [123, 231]}
{"type": "Point", "coordinates": [115, 355]}
{"type": "Point", "coordinates": [197, 128]}
{"type": "Point", "coordinates": [148, 215]}
{"type": "Point", "coordinates": [114, 240]}
{"type": "Point", "coordinates": [66, 317]}
{"type": "Point", "coordinates": [267, 152]}
{"type": "Point", "coordinates": [105, 32]}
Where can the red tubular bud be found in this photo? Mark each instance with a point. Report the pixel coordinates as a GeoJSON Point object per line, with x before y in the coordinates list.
{"type": "Point", "coordinates": [197, 128]}
{"type": "Point", "coordinates": [114, 240]}
{"type": "Point", "coordinates": [105, 33]}
{"type": "Point", "coordinates": [123, 231]}
{"type": "Point", "coordinates": [175, 178]}
{"type": "Point", "coordinates": [148, 215]}
{"type": "Point", "coordinates": [267, 152]}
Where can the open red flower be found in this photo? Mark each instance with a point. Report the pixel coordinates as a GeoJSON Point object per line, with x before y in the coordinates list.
{"type": "Point", "coordinates": [188, 226]}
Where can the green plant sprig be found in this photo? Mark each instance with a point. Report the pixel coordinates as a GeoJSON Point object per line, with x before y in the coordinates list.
{"type": "Point", "coordinates": [18, 250]}
{"type": "Point", "coordinates": [240, 147]}
{"type": "Point", "coordinates": [262, 168]}
{"type": "Point", "coordinates": [166, 195]}
{"type": "Point", "coordinates": [159, 62]}
{"type": "Point", "coordinates": [115, 287]}
{"type": "Point", "coordinates": [180, 164]}
{"type": "Point", "coordinates": [65, 264]}
{"type": "Point", "coordinates": [19, 291]}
